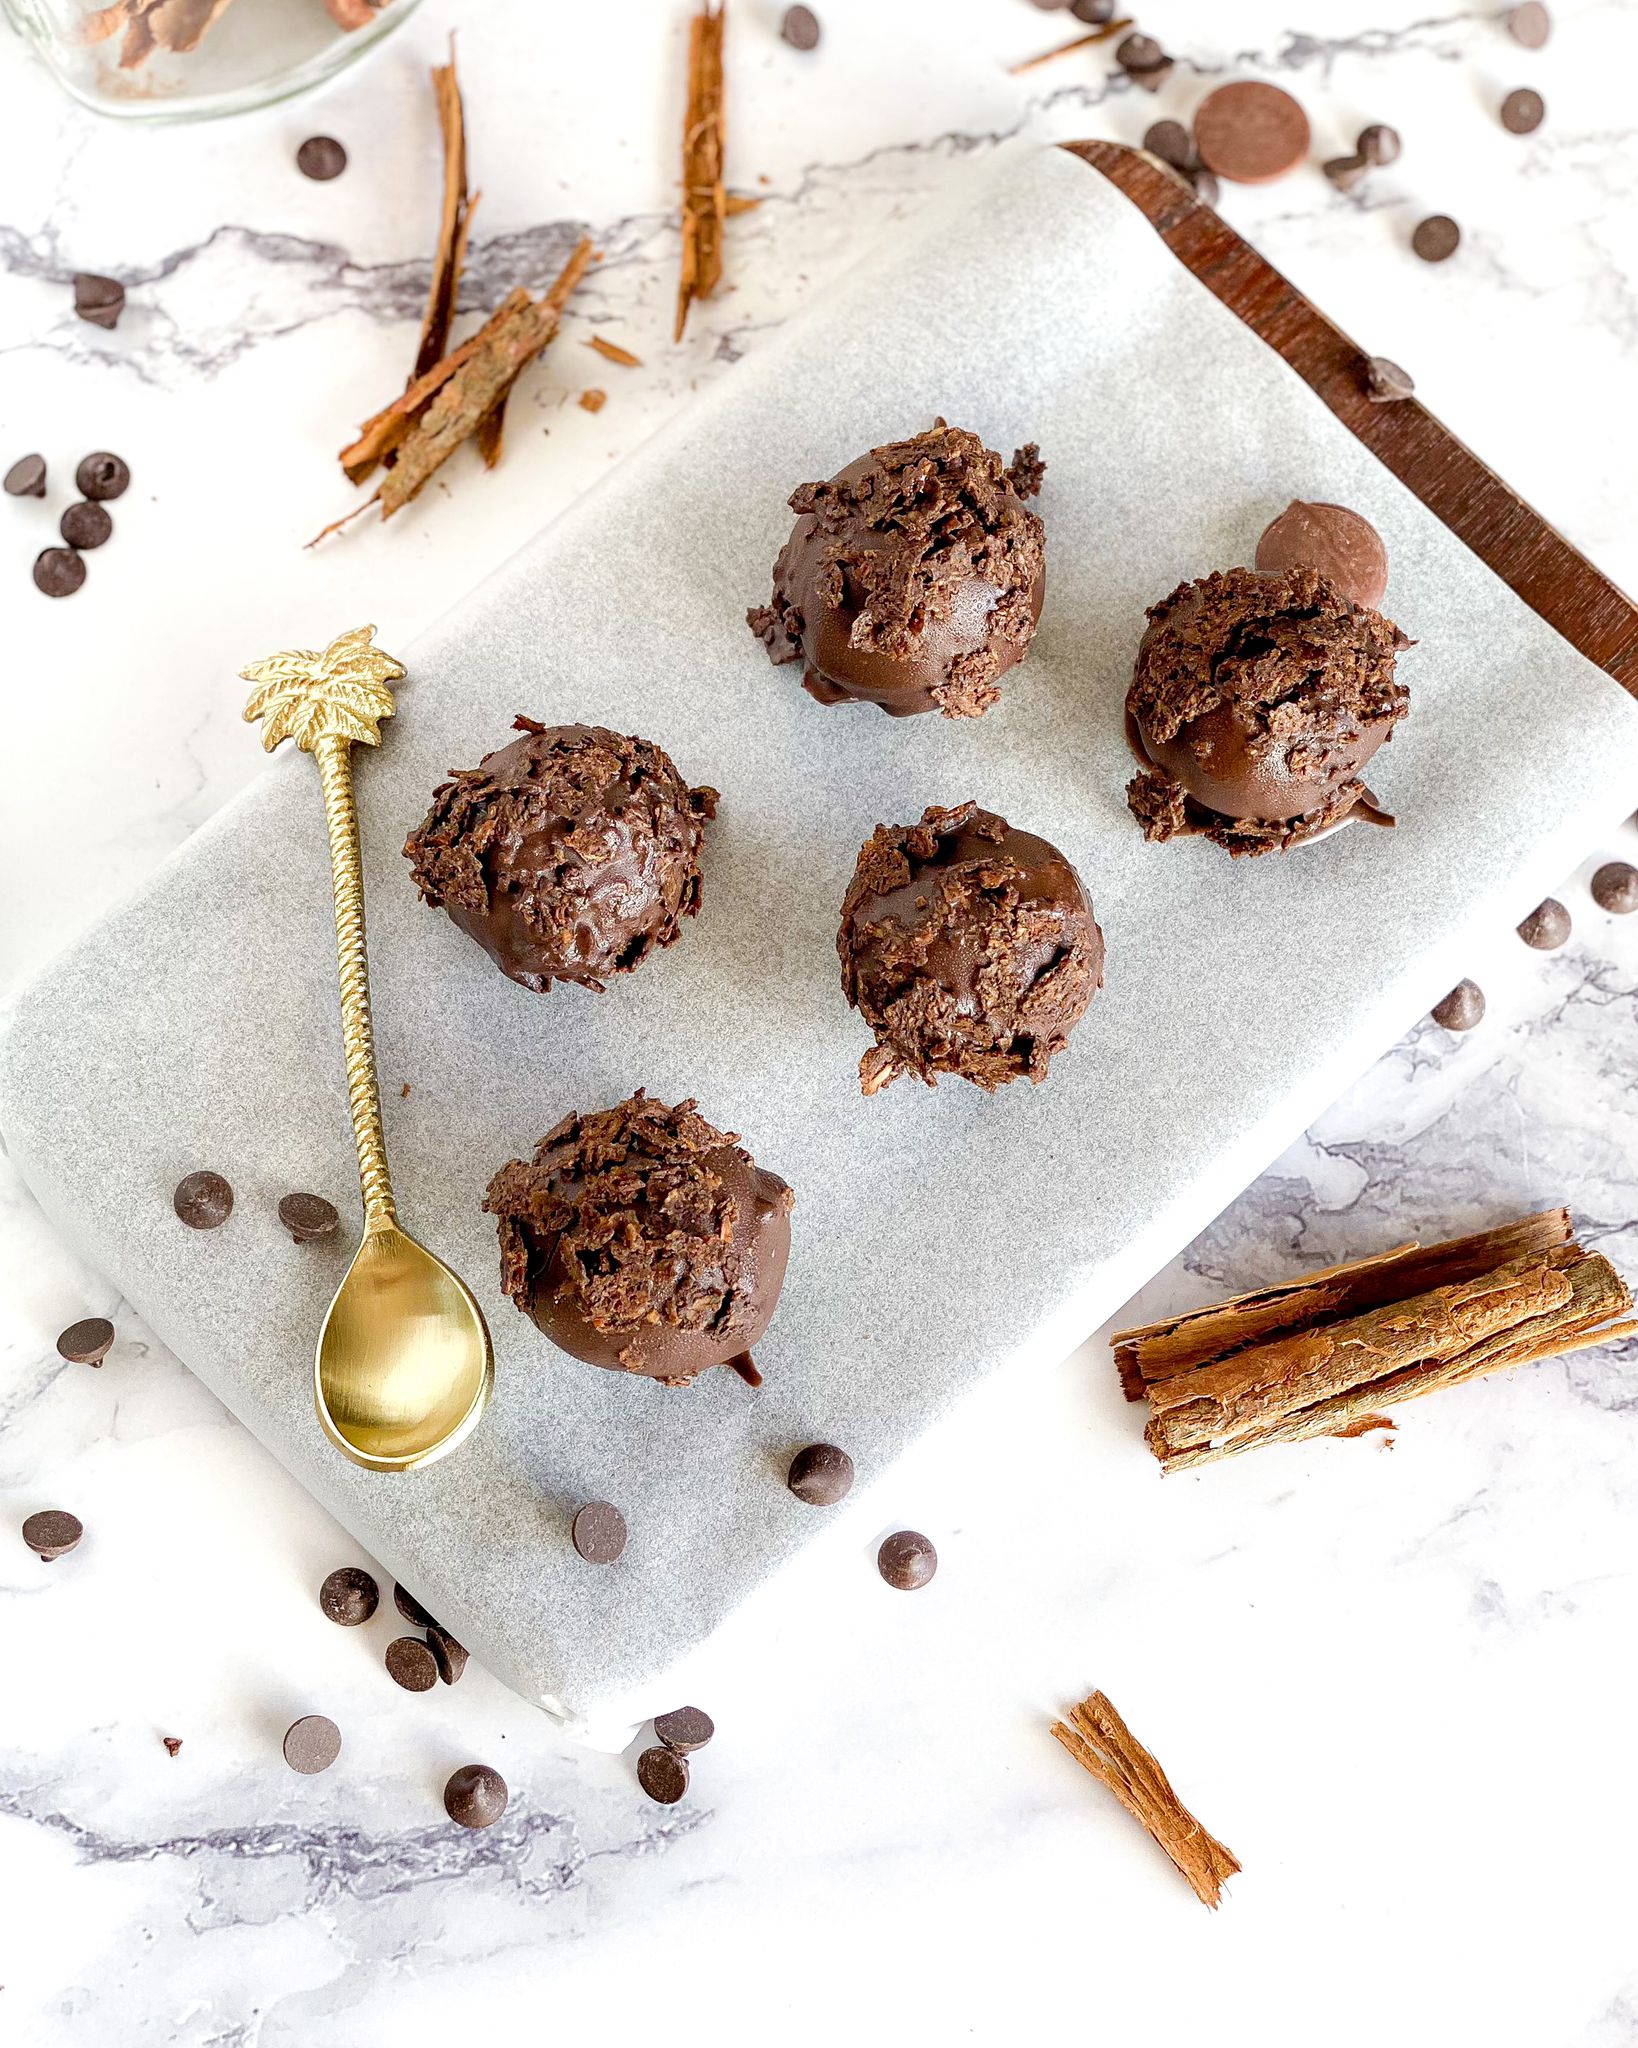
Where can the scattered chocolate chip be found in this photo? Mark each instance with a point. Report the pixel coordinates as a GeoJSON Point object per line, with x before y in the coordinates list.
{"type": "Point", "coordinates": [475, 1796]}
{"type": "Point", "coordinates": [349, 1596]}
{"type": "Point", "coordinates": [172, 1743]}
{"type": "Point", "coordinates": [411, 1609]}
{"type": "Point", "coordinates": [52, 1533]}
{"type": "Point", "coordinates": [26, 477]}
{"type": "Point", "coordinates": [1462, 1008]}
{"type": "Point", "coordinates": [1615, 887]}
{"type": "Point", "coordinates": [1143, 61]}
{"type": "Point", "coordinates": [1385, 381]}
{"type": "Point", "coordinates": [447, 1654]}
{"type": "Point", "coordinates": [907, 1560]}
{"type": "Point", "coordinates": [1171, 142]}
{"type": "Point", "coordinates": [411, 1664]}
{"type": "Point", "coordinates": [312, 1744]}
{"type": "Point", "coordinates": [1250, 132]}
{"type": "Point", "coordinates": [86, 525]}
{"type": "Point", "coordinates": [1206, 188]}
{"type": "Point", "coordinates": [321, 157]}
{"type": "Point", "coordinates": [684, 1729]}
{"type": "Point", "coordinates": [1523, 111]}
{"type": "Point", "coordinates": [1378, 144]}
{"type": "Point", "coordinates": [1345, 172]}
{"type": "Point", "coordinates": [307, 1216]}
{"type": "Point", "coordinates": [800, 28]}
{"type": "Point", "coordinates": [599, 1532]}
{"type": "Point", "coordinates": [102, 476]}
{"type": "Point", "coordinates": [1093, 12]}
{"type": "Point", "coordinates": [101, 300]}
{"type": "Point", "coordinates": [203, 1200]}
{"type": "Point", "coordinates": [1547, 926]}
{"type": "Point", "coordinates": [1530, 24]}
{"type": "Point", "coordinates": [88, 1342]}
{"type": "Point", "coordinates": [821, 1475]}
{"type": "Point", "coordinates": [1340, 543]}
{"type": "Point", "coordinates": [1436, 238]}
{"type": "Point", "coordinates": [59, 572]}
{"type": "Point", "coordinates": [663, 1775]}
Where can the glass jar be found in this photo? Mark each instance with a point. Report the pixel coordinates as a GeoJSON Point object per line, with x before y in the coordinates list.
{"type": "Point", "coordinates": [184, 60]}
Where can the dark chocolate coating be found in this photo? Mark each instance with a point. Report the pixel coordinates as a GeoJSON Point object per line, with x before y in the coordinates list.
{"type": "Point", "coordinates": [968, 948]}
{"type": "Point", "coordinates": [1257, 698]}
{"type": "Point", "coordinates": [913, 579]}
{"type": "Point", "coordinates": [569, 855]}
{"type": "Point", "coordinates": [643, 1239]}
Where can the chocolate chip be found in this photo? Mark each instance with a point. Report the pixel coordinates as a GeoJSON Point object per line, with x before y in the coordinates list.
{"type": "Point", "coordinates": [1378, 144]}
{"type": "Point", "coordinates": [1206, 188]}
{"type": "Point", "coordinates": [1251, 132]}
{"type": "Point", "coordinates": [1436, 238]}
{"type": "Point", "coordinates": [907, 1560]}
{"type": "Point", "coordinates": [307, 1216]}
{"type": "Point", "coordinates": [1385, 381]}
{"type": "Point", "coordinates": [411, 1664]}
{"type": "Point", "coordinates": [1171, 142]}
{"type": "Point", "coordinates": [349, 1596]}
{"type": "Point", "coordinates": [1547, 926]}
{"type": "Point", "coordinates": [312, 1744]}
{"type": "Point", "coordinates": [1141, 57]}
{"type": "Point", "coordinates": [1523, 111]}
{"type": "Point", "coordinates": [475, 1796]}
{"type": "Point", "coordinates": [599, 1532]}
{"type": "Point", "coordinates": [172, 1743]}
{"type": "Point", "coordinates": [1462, 1008]}
{"type": "Point", "coordinates": [411, 1609]}
{"type": "Point", "coordinates": [1345, 172]}
{"type": "Point", "coordinates": [800, 28]}
{"type": "Point", "coordinates": [102, 476]}
{"type": "Point", "coordinates": [26, 477]}
{"type": "Point", "coordinates": [101, 300]}
{"type": "Point", "coordinates": [684, 1729]}
{"type": "Point", "coordinates": [86, 525]}
{"type": "Point", "coordinates": [1093, 12]}
{"type": "Point", "coordinates": [321, 157]}
{"type": "Point", "coordinates": [1530, 24]}
{"type": "Point", "coordinates": [447, 1654]}
{"type": "Point", "coordinates": [59, 572]}
{"type": "Point", "coordinates": [52, 1533]}
{"type": "Point", "coordinates": [203, 1200]}
{"type": "Point", "coordinates": [663, 1775]}
{"type": "Point", "coordinates": [821, 1475]}
{"type": "Point", "coordinates": [88, 1342]}
{"type": "Point", "coordinates": [1615, 887]}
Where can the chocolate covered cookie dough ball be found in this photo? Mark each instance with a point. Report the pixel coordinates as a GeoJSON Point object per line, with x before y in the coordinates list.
{"type": "Point", "coordinates": [968, 948]}
{"type": "Point", "coordinates": [644, 1240]}
{"type": "Point", "coordinates": [913, 579]}
{"type": "Point", "coordinates": [568, 855]}
{"type": "Point", "coordinates": [1256, 700]}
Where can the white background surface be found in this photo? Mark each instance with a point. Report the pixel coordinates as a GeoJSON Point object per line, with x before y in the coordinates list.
{"type": "Point", "coordinates": [1394, 1680]}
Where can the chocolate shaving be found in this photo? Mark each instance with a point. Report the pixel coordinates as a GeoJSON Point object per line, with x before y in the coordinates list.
{"type": "Point", "coordinates": [704, 201]}
{"type": "Point", "coordinates": [612, 352]}
{"type": "Point", "coordinates": [454, 220]}
{"type": "Point", "coordinates": [1098, 35]}
{"type": "Point", "coordinates": [1100, 1742]}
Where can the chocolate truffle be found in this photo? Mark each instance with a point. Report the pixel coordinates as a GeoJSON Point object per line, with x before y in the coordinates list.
{"type": "Point", "coordinates": [1339, 543]}
{"type": "Point", "coordinates": [644, 1240]}
{"type": "Point", "coordinates": [1256, 700]}
{"type": "Point", "coordinates": [968, 948]}
{"type": "Point", "coordinates": [568, 855]}
{"type": "Point", "coordinates": [913, 579]}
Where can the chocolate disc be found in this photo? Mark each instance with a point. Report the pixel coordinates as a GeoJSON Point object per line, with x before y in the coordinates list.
{"type": "Point", "coordinates": [1250, 132]}
{"type": "Point", "coordinates": [1346, 549]}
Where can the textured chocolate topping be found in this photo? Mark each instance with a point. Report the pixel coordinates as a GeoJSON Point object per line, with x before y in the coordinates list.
{"type": "Point", "coordinates": [1258, 698]}
{"type": "Point", "coordinates": [913, 579]}
{"type": "Point", "coordinates": [644, 1240]}
{"type": "Point", "coordinates": [568, 855]}
{"type": "Point", "coordinates": [968, 948]}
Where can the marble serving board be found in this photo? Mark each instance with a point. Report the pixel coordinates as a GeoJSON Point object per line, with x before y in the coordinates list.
{"type": "Point", "coordinates": [938, 1235]}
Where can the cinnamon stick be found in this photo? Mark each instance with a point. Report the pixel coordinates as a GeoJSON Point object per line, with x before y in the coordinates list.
{"type": "Point", "coordinates": [704, 199]}
{"type": "Point", "coordinates": [383, 431]}
{"type": "Point", "coordinates": [454, 217]}
{"type": "Point", "coordinates": [1098, 35]}
{"type": "Point", "coordinates": [1101, 1743]}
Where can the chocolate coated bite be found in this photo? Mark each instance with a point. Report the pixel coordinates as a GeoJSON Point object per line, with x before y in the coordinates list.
{"type": "Point", "coordinates": [642, 1239]}
{"type": "Point", "coordinates": [569, 855]}
{"type": "Point", "coordinates": [913, 579]}
{"type": "Point", "coordinates": [1340, 543]}
{"type": "Point", "coordinates": [968, 947]}
{"type": "Point", "coordinates": [1255, 701]}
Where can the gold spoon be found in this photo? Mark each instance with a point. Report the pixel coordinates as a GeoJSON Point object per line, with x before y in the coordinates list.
{"type": "Point", "coordinates": [404, 1363]}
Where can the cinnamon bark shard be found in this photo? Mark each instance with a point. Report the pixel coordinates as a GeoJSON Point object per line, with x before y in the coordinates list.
{"type": "Point", "coordinates": [1100, 1742]}
{"type": "Point", "coordinates": [1098, 35]}
{"type": "Point", "coordinates": [704, 199]}
{"type": "Point", "coordinates": [454, 218]}
{"type": "Point", "coordinates": [612, 352]}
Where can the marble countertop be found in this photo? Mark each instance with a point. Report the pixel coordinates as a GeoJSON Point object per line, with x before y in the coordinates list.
{"type": "Point", "coordinates": [1393, 1674]}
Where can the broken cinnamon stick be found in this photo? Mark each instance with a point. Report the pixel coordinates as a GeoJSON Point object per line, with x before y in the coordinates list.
{"type": "Point", "coordinates": [454, 217]}
{"type": "Point", "coordinates": [383, 431]}
{"type": "Point", "coordinates": [612, 352]}
{"type": "Point", "coordinates": [1098, 35]}
{"type": "Point", "coordinates": [704, 199]}
{"type": "Point", "coordinates": [1100, 1742]}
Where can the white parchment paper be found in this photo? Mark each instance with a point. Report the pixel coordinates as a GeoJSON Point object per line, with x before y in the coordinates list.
{"type": "Point", "coordinates": [937, 1235]}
